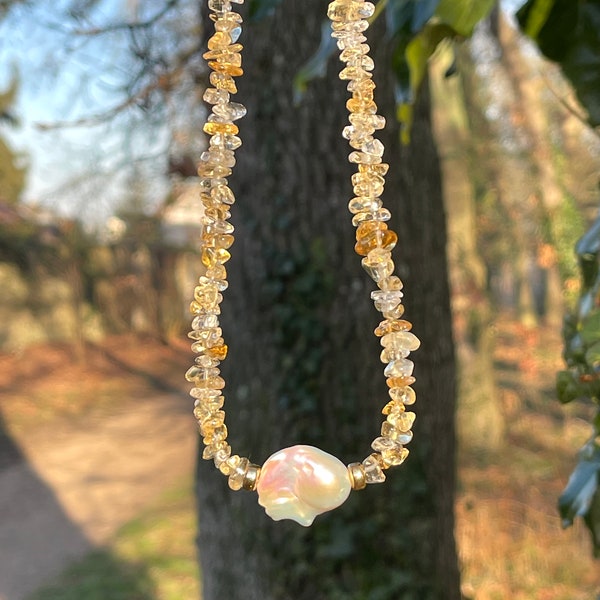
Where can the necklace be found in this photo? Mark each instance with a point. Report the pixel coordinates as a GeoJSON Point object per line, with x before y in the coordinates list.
{"type": "Point", "coordinates": [300, 482]}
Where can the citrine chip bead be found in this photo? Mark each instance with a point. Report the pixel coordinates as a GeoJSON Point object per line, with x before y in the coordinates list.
{"type": "Point", "coordinates": [373, 469]}
{"type": "Point", "coordinates": [404, 394]}
{"type": "Point", "coordinates": [213, 127]}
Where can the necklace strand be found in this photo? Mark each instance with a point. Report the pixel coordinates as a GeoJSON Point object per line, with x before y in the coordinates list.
{"type": "Point", "coordinates": [374, 243]}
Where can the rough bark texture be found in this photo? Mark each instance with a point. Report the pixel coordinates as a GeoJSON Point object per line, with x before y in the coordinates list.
{"type": "Point", "coordinates": [303, 364]}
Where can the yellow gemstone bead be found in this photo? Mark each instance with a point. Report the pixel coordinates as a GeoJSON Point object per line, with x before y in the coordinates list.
{"type": "Point", "coordinates": [213, 128]}
{"type": "Point", "coordinates": [404, 394]}
{"type": "Point", "coordinates": [214, 256]}
{"type": "Point", "coordinates": [222, 81]}
{"type": "Point", "coordinates": [226, 68]}
{"type": "Point", "coordinates": [382, 238]}
{"type": "Point", "coordinates": [363, 106]}
{"type": "Point", "coordinates": [392, 406]}
{"type": "Point", "coordinates": [218, 352]}
{"type": "Point", "coordinates": [390, 325]}
{"type": "Point", "coordinates": [397, 382]}
{"type": "Point", "coordinates": [403, 421]}
{"type": "Point", "coordinates": [220, 39]}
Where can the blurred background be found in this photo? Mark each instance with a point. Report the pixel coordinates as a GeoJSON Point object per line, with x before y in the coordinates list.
{"type": "Point", "coordinates": [100, 132]}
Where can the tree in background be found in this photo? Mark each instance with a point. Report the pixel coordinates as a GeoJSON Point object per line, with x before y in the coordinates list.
{"type": "Point", "coordinates": [12, 169]}
{"type": "Point", "coordinates": [569, 33]}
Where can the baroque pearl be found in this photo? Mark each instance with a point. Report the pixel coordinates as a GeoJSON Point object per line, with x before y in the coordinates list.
{"type": "Point", "coordinates": [301, 482]}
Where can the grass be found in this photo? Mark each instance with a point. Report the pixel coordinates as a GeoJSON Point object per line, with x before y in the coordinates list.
{"type": "Point", "coordinates": [151, 558]}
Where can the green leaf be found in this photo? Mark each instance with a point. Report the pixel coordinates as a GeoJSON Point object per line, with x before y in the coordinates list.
{"type": "Point", "coordinates": [417, 53]}
{"type": "Point", "coordinates": [592, 354]}
{"type": "Point", "coordinates": [569, 33]}
{"type": "Point", "coordinates": [567, 387]}
{"type": "Point", "coordinates": [582, 486]}
{"type": "Point", "coordinates": [590, 328]}
{"type": "Point", "coordinates": [463, 15]}
{"type": "Point", "coordinates": [316, 66]}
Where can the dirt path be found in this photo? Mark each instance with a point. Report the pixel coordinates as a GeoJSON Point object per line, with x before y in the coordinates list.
{"type": "Point", "coordinates": [80, 480]}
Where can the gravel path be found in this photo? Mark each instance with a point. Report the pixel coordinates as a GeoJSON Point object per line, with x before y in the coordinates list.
{"type": "Point", "coordinates": [79, 484]}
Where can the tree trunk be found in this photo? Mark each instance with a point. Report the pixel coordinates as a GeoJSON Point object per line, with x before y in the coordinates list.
{"type": "Point", "coordinates": [303, 364]}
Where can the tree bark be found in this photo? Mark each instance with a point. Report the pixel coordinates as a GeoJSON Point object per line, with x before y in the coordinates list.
{"type": "Point", "coordinates": [303, 364]}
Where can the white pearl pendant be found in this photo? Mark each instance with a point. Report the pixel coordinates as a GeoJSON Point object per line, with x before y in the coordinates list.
{"type": "Point", "coordinates": [301, 482]}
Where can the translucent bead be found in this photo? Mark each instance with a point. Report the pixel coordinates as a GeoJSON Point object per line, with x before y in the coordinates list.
{"type": "Point", "coordinates": [403, 421]}
{"type": "Point", "coordinates": [378, 264]}
{"type": "Point", "coordinates": [367, 184]}
{"type": "Point", "coordinates": [404, 394]}
{"type": "Point", "coordinates": [218, 435]}
{"type": "Point", "coordinates": [391, 438]}
{"type": "Point", "coordinates": [197, 374]}
{"type": "Point", "coordinates": [399, 381]}
{"type": "Point", "coordinates": [374, 147]}
{"type": "Point", "coordinates": [358, 105]}
{"type": "Point", "coordinates": [221, 455]}
{"type": "Point", "coordinates": [211, 449]}
{"type": "Point", "coordinates": [213, 383]}
{"type": "Point", "coordinates": [227, 20]}
{"type": "Point", "coordinates": [215, 96]}
{"type": "Point", "coordinates": [219, 5]}
{"type": "Point", "coordinates": [213, 127]}
{"type": "Point", "coordinates": [214, 256]}
{"type": "Point", "coordinates": [373, 471]}
{"type": "Point", "coordinates": [378, 237]}
{"type": "Point", "coordinates": [205, 322]}
{"type": "Point", "coordinates": [390, 284]}
{"type": "Point", "coordinates": [390, 325]}
{"type": "Point", "coordinates": [354, 73]}
{"type": "Point", "coordinates": [360, 86]}
{"type": "Point", "coordinates": [207, 295]}
{"type": "Point", "coordinates": [204, 394]}
{"type": "Point", "coordinates": [202, 360]}
{"type": "Point", "coordinates": [231, 111]}
{"type": "Point", "coordinates": [384, 300]}
{"type": "Point", "coordinates": [222, 193]}
{"type": "Point", "coordinates": [217, 226]}
{"type": "Point", "coordinates": [227, 68]}
{"type": "Point", "coordinates": [230, 464]}
{"type": "Point", "coordinates": [400, 368]}
{"type": "Point", "coordinates": [211, 404]}
{"type": "Point", "coordinates": [213, 171]}
{"type": "Point", "coordinates": [395, 456]}
{"type": "Point", "coordinates": [373, 122]}
{"type": "Point", "coordinates": [200, 309]}
{"type": "Point", "coordinates": [227, 141]}
{"type": "Point", "coordinates": [392, 406]}
{"type": "Point", "coordinates": [402, 340]}
{"type": "Point", "coordinates": [217, 272]}
{"type": "Point", "coordinates": [237, 475]}
{"type": "Point", "coordinates": [223, 81]}
{"type": "Point", "coordinates": [383, 214]}
{"type": "Point", "coordinates": [350, 53]}
{"type": "Point", "coordinates": [220, 39]}
{"type": "Point", "coordinates": [389, 354]}
{"type": "Point", "coordinates": [348, 10]}
{"type": "Point", "coordinates": [395, 313]}
{"type": "Point", "coordinates": [364, 203]}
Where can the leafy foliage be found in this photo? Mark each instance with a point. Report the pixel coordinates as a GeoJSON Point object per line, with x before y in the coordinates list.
{"type": "Point", "coordinates": [581, 380]}
{"type": "Point", "coordinates": [569, 33]}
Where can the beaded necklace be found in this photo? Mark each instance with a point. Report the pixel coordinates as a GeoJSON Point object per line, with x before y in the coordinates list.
{"type": "Point", "coordinates": [300, 482]}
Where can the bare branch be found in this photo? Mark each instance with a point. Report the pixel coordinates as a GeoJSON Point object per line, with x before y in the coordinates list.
{"type": "Point", "coordinates": [126, 26]}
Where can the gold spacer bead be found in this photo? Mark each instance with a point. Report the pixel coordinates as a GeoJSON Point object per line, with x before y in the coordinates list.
{"type": "Point", "coordinates": [358, 476]}
{"type": "Point", "coordinates": [251, 478]}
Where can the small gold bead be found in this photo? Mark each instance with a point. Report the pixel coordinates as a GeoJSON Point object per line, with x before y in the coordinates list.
{"type": "Point", "coordinates": [251, 478]}
{"type": "Point", "coordinates": [358, 476]}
